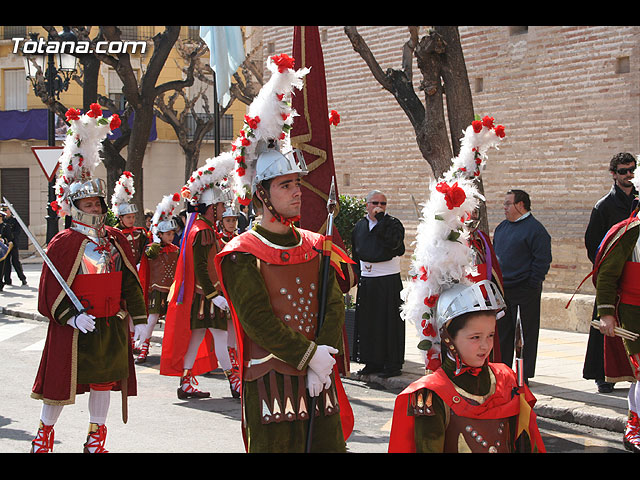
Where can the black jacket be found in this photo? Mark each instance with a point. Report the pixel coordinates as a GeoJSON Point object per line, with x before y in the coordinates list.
{"type": "Point", "coordinates": [614, 207]}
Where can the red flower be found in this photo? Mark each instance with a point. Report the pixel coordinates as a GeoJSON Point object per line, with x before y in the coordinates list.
{"type": "Point", "coordinates": [429, 330]}
{"type": "Point", "coordinates": [487, 122]}
{"type": "Point", "coordinates": [96, 110]}
{"type": "Point", "coordinates": [245, 142]}
{"type": "Point", "coordinates": [240, 159]}
{"type": "Point", "coordinates": [423, 275]}
{"type": "Point", "coordinates": [115, 121]}
{"type": "Point", "coordinates": [499, 131]}
{"type": "Point", "coordinates": [176, 197]}
{"type": "Point", "coordinates": [453, 195]}
{"type": "Point", "coordinates": [252, 122]}
{"type": "Point", "coordinates": [477, 126]}
{"type": "Point", "coordinates": [72, 114]}
{"type": "Point", "coordinates": [240, 171]}
{"type": "Point", "coordinates": [284, 62]}
{"type": "Point", "coordinates": [54, 206]}
{"type": "Point", "coordinates": [431, 301]}
{"type": "Point", "coordinates": [244, 201]}
{"type": "Point", "coordinates": [334, 118]}
{"type": "Point", "coordinates": [127, 174]}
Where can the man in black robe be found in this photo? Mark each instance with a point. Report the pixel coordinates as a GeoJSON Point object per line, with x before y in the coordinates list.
{"type": "Point", "coordinates": [378, 245]}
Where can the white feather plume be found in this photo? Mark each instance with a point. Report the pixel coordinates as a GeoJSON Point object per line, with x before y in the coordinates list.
{"type": "Point", "coordinates": [442, 254]}
{"type": "Point", "coordinates": [164, 210]}
{"type": "Point", "coordinates": [123, 191]}
{"type": "Point", "coordinates": [270, 117]}
{"type": "Point", "coordinates": [81, 153]}
{"type": "Point", "coordinates": [215, 171]}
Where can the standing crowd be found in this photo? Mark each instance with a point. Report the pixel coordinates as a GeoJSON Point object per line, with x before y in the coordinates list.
{"type": "Point", "coordinates": [241, 287]}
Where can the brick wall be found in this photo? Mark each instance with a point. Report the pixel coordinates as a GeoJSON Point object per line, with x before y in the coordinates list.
{"type": "Point", "coordinates": [558, 92]}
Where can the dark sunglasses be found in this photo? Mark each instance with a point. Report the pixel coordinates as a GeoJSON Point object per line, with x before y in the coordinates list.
{"type": "Point", "coordinates": [624, 171]}
{"type": "Point", "coordinates": [378, 203]}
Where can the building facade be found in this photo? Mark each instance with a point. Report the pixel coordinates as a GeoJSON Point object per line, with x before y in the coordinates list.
{"type": "Point", "coordinates": [23, 181]}
{"type": "Point", "coordinates": [568, 97]}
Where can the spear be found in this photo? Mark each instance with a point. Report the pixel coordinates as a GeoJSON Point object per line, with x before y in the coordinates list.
{"type": "Point", "coordinates": [519, 347]}
{"type": "Point", "coordinates": [322, 307]}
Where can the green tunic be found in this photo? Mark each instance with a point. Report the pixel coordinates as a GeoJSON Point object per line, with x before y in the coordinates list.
{"type": "Point", "coordinates": [204, 314]}
{"type": "Point", "coordinates": [607, 282]}
{"type": "Point", "coordinates": [248, 294]}
{"type": "Point", "coordinates": [103, 355]}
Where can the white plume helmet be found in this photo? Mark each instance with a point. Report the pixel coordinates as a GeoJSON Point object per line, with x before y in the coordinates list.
{"type": "Point", "coordinates": [162, 220]}
{"type": "Point", "coordinates": [267, 123]}
{"type": "Point", "coordinates": [442, 255]}
{"type": "Point", "coordinates": [80, 156]}
{"type": "Point", "coordinates": [212, 176]}
{"type": "Point", "coordinates": [123, 194]}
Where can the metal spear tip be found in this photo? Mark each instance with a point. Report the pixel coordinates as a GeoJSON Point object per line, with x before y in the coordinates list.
{"type": "Point", "coordinates": [519, 336]}
{"type": "Point", "coordinates": [332, 200]}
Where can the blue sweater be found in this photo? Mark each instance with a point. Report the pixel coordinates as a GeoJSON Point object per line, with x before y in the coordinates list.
{"type": "Point", "coordinates": [523, 249]}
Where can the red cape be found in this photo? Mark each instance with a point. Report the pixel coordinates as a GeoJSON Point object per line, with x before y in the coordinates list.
{"type": "Point", "coordinates": [55, 379]}
{"type": "Point", "coordinates": [177, 329]}
{"type": "Point", "coordinates": [310, 246]}
{"type": "Point", "coordinates": [502, 404]}
{"type": "Point", "coordinates": [616, 359]}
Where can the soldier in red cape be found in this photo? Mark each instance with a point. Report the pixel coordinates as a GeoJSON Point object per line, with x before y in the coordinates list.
{"type": "Point", "coordinates": [616, 276]}
{"type": "Point", "coordinates": [86, 351]}
{"type": "Point", "coordinates": [196, 329]}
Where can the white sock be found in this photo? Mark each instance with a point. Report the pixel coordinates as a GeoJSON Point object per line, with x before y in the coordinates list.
{"type": "Point", "coordinates": [231, 334]}
{"type": "Point", "coordinates": [197, 336]}
{"type": "Point", "coordinates": [50, 413]}
{"type": "Point", "coordinates": [99, 406]}
{"type": "Point", "coordinates": [634, 397]}
{"type": "Point", "coordinates": [151, 324]}
{"type": "Point", "coordinates": [220, 344]}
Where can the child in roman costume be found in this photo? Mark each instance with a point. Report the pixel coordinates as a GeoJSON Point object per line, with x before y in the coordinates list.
{"type": "Point", "coordinates": [196, 337]}
{"type": "Point", "coordinates": [158, 267]}
{"type": "Point", "coordinates": [465, 403]}
{"type": "Point", "coordinates": [123, 207]}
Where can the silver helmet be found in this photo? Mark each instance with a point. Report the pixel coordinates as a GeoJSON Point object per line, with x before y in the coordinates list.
{"type": "Point", "coordinates": [271, 164]}
{"type": "Point", "coordinates": [95, 187]}
{"type": "Point", "coordinates": [127, 208]}
{"type": "Point", "coordinates": [215, 194]}
{"type": "Point", "coordinates": [460, 299]}
{"type": "Point", "coordinates": [167, 226]}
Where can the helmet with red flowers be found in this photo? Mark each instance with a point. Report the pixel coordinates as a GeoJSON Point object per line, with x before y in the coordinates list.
{"type": "Point", "coordinates": [162, 220]}
{"type": "Point", "coordinates": [443, 262]}
{"type": "Point", "coordinates": [121, 200]}
{"type": "Point", "coordinates": [80, 156]}
{"type": "Point", "coordinates": [262, 150]}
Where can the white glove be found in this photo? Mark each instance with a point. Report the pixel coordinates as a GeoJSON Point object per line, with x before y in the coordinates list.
{"type": "Point", "coordinates": [322, 362]}
{"type": "Point", "coordinates": [83, 322]}
{"type": "Point", "coordinates": [140, 332]}
{"type": "Point", "coordinates": [220, 302]}
{"type": "Point", "coordinates": [315, 384]}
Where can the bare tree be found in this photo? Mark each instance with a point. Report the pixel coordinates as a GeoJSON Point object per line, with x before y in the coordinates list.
{"type": "Point", "coordinates": [139, 94]}
{"type": "Point", "coordinates": [440, 59]}
{"type": "Point", "coordinates": [245, 87]}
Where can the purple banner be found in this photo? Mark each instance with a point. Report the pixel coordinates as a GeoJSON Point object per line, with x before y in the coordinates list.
{"type": "Point", "coordinates": [32, 125]}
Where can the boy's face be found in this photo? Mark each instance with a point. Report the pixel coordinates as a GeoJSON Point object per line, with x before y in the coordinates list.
{"type": "Point", "coordinates": [128, 220]}
{"type": "Point", "coordinates": [475, 340]}
{"type": "Point", "coordinates": [230, 224]}
{"type": "Point", "coordinates": [166, 237]}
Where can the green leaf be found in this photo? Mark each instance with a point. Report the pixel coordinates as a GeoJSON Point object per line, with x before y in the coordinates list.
{"type": "Point", "coordinates": [453, 236]}
{"type": "Point", "coordinates": [424, 345]}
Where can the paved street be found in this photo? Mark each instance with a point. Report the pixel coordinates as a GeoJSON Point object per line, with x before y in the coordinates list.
{"type": "Point", "coordinates": [572, 416]}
